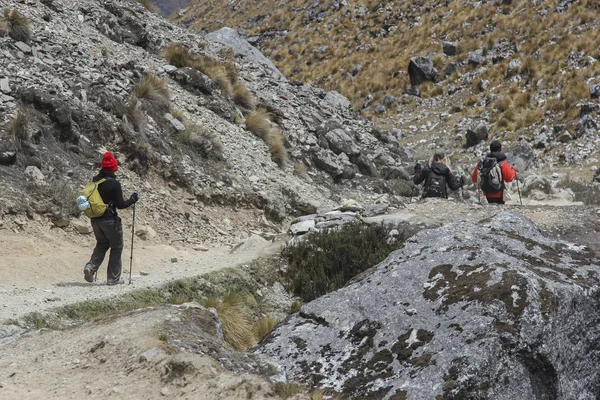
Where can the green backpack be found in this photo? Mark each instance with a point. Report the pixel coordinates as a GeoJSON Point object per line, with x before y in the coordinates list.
{"type": "Point", "coordinates": [90, 201]}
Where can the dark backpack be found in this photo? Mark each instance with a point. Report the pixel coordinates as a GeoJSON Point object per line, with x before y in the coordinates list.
{"type": "Point", "coordinates": [489, 175]}
{"type": "Point", "coordinates": [436, 185]}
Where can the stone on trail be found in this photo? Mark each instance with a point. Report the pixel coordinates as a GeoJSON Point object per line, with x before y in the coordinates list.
{"type": "Point", "coordinates": [82, 226]}
{"type": "Point", "coordinates": [145, 233]}
{"type": "Point", "coordinates": [492, 310]}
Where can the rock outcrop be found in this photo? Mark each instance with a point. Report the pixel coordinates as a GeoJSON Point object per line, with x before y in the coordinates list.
{"type": "Point", "coordinates": [493, 310]}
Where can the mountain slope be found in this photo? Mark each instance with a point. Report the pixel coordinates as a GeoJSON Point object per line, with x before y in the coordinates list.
{"type": "Point", "coordinates": [94, 76]}
{"type": "Point", "coordinates": [362, 49]}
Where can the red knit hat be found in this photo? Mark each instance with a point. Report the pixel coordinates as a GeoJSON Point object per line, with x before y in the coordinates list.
{"type": "Point", "coordinates": [109, 162]}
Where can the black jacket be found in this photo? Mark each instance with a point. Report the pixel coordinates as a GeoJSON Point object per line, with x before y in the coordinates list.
{"type": "Point", "coordinates": [111, 193]}
{"type": "Point", "coordinates": [498, 156]}
{"type": "Point", "coordinates": [439, 169]}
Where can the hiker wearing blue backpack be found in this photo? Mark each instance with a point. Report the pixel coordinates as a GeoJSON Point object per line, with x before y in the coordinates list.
{"type": "Point", "coordinates": [436, 176]}
{"type": "Point", "coordinates": [103, 197]}
{"type": "Point", "coordinates": [492, 172]}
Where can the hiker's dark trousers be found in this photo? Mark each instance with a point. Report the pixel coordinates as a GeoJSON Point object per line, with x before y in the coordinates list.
{"type": "Point", "coordinates": [109, 235]}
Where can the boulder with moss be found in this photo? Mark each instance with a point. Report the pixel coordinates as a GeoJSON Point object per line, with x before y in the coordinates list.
{"type": "Point", "coordinates": [489, 310]}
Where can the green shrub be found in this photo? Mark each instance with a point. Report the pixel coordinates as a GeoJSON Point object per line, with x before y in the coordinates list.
{"type": "Point", "coordinates": [18, 25]}
{"type": "Point", "coordinates": [326, 261]}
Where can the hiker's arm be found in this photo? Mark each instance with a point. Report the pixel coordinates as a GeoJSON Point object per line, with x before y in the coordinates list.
{"type": "Point", "coordinates": [118, 197]}
{"type": "Point", "coordinates": [453, 183]}
{"type": "Point", "coordinates": [474, 174]}
{"type": "Point", "coordinates": [420, 176]}
{"type": "Point", "coordinates": [508, 172]}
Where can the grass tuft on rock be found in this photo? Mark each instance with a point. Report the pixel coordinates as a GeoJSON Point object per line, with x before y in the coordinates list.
{"type": "Point", "coordinates": [130, 112]}
{"type": "Point", "coordinates": [237, 329]}
{"type": "Point", "coordinates": [19, 123]}
{"type": "Point", "coordinates": [263, 326]}
{"type": "Point", "coordinates": [242, 96]}
{"type": "Point", "coordinates": [152, 88]}
{"type": "Point", "coordinates": [203, 140]}
{"type": "Point", "coordinates": [17, 25]}
{"type": "Point", "coordinates": [326, 261]}
{"type": "Point", "coordinates": [276, 145]}
{"type": "Point", "coordinates": [258, 122]}
{"type": "Point", "coordinates": [178, 55]}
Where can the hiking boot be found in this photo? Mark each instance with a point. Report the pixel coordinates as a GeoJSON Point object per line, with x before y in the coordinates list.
{"type": "Point", "coordinates": [112, 283]}
{"type": "Point", "coordinates": [88, 274]}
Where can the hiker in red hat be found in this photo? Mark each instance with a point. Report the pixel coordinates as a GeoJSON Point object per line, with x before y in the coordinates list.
{"type": "Point", "coordinates": [107, 228]}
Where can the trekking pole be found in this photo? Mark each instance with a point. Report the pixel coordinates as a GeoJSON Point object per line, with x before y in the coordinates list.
{"type": "Point", "coordinates": [132, 232]}
{"type": "Point", "coordinates": [518, 190]}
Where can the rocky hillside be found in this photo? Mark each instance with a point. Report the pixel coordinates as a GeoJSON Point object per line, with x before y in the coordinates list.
{"type": "Point", "coordinates": [208, 116]}
{"type": "Point", "coordinates": [433, 71]}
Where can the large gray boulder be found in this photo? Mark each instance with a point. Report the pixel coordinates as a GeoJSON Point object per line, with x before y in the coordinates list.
{"type": "Point", "coordinates": [476, 133]}
{"type": "Point", "coordinates": [241, 46]}
{"type": "Point", "coordinates": [465, 311]}
{"type": "Point", "coordinates": [342, 142]}
{"type": "Point", "coordinates": [421, 69]}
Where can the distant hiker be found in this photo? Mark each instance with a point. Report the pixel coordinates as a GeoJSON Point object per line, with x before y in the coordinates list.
{"type": "Point", "coordinates": [436, 176]}
{"type": "Point", "coordinates": [491, 172]}
{"type": "Point", "coordinates": [107, 227]}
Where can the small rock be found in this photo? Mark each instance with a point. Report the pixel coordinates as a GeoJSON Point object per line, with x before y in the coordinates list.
{"type": "Point", "coordinates": [177, 124]}
{"type": "Point", "coordinates": [475, 58]}
{"type": "Point", "coordinates": [52, 299]}
{"type": "Point", "coordinates": [33, 174]}
{"type": "Point", "coordinates": [200, 248]}
{"type": "Point", "coordinates": [23, 47]}
{"type": "Point", "coordinates": [83, 227]}
{"type": "Point", "coordinates": [144, 273]}
{"type": "Point", "coordinates": [565, 137]}
{"type": "Point", "coordinates": [146, 233]}
{"type": "Point", "coordinates": [595, 91]}
{"type": "Point", "coordinates": [4, 86]}
{"type": "Point", "coordinates": [164, 391]}
{"type": "Point", "coordinates": [174, 259]}
{"type": "Point", "coordinates": [450, 48]}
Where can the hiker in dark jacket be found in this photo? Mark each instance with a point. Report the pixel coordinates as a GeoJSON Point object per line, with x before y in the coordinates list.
{"type": "Point", "coordinates": [107, 228]}
{"type": "Point", "coordinates": [436, 176]}
{"type": "Point", "coordinates": [508, 172]}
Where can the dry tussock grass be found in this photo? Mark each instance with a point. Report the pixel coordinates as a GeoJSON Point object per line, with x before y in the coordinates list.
{"type": "Point", "coordinates": [243, 96]}
{"type": "Point", "coordinates": [237, 329]}
{"type": "Point", "coordinates": [19, 123]}
{"type": "Point", "coordinates": [16, 25]}
{"type": "Point", "coordinates": [258, 122]}
{"type": "Point", "coordinates": [276, 144]}
{"type": "Point", "coordinates": [152, 88]}
{"type": "Point", "coordinates": [130, 112]}
{"type": "Point", "coordinates": [551, 38]}
{"type": "Point", "coordinates": [263, 326]}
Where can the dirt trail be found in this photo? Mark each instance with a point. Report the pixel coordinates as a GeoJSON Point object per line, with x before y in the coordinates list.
{"type": "Point", "coordinates": [45, 269]}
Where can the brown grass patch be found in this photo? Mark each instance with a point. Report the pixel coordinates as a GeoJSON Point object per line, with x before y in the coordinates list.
{"type": "Point", "coordinates": [237, 329]}
{"type": "Point", "coordinates": [152, 88]}
{"type": "Point", "coordinates": [178, 55]}
{"type": "Point", "coordinates": [503, 103]}
{"type": "Point", "coordinates": [258, 122]}
{"type": "Point", "coordinates": [276, 144]}
{"type": "Point", "coordinates": [242, 96]}
{"type": "Point", "coordinates": [18, 25]}
{"type": "Point", "coordinates": [130, 112]}
{"type": "Point", "coordinates": [18, 125]}
{"type": "Point", "coordinates": [263, 326]}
